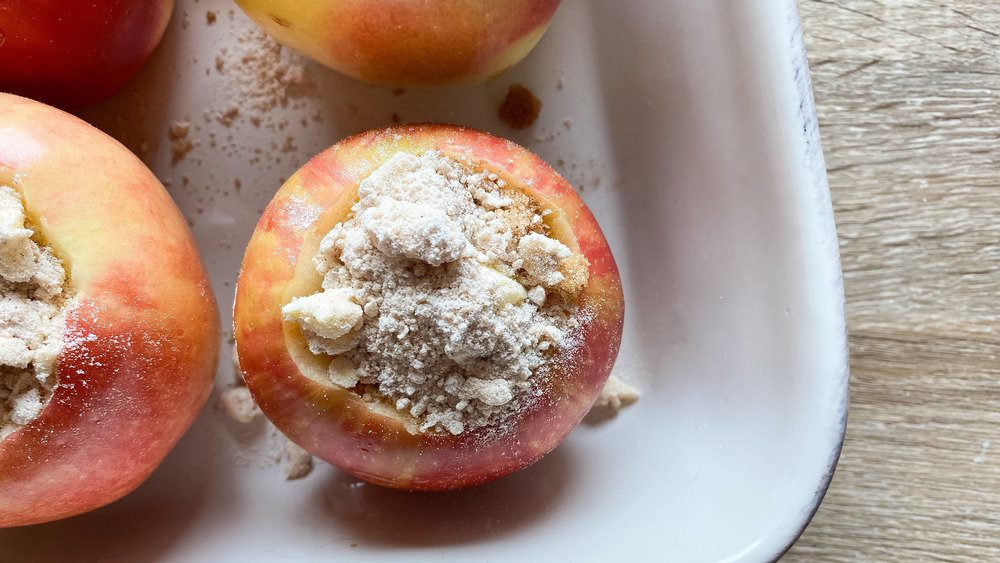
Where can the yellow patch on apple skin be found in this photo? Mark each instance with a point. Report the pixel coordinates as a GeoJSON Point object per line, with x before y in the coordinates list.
{"type": "Point", "coordinates": [510, 56]}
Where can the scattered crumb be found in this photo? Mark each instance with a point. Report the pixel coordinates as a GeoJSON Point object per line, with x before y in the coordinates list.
{"type": "Point", "coordinates": [298, 84]}
{"type": "Point", "coordinates": [617, 394]}
{"type": "Point", "coordinates": [298, 462]}
{"type": "Point", "coordinates": [239, 405]}
{"type": "Point", "coordinates": [228, 117]}
{"type": "Point", "coordinates": [179, 129]}
{"type": "Point", "coordinates": [264, 75]}
{"type": "Point", "coordinates": [520, 108]}
{"type": "Point", "coordinates": [180, 145]}
{"type": "Point", "coordinates": [210, 17]}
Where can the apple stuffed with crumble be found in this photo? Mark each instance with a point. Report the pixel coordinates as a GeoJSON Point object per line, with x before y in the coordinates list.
{"type": "Point", "coordinates": [109, 331]}
{"type": "Point", "coordinates": [427, 307]}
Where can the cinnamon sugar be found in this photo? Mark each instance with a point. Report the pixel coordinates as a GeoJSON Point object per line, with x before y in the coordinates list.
{"type": "Point", "coordinates": [520, 108]}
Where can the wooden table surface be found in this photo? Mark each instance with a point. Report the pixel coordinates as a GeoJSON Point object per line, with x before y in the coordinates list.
{"type": "Point", "coordinates": [908, 100]}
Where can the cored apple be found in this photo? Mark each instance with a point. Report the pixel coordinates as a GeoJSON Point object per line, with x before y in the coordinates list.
{"type": "Point", "coordinates": [72, 54]}
{"type": "Point", "coordinates": [401, 42]}
{"type": "Point", "coordinates": [141, 336]}
{"type": "Point", "coordinates": [336, 423]}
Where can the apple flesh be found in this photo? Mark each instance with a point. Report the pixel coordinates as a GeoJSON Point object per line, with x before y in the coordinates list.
{"type": "Point", "coordinates": [141, 341]}
{"type": "Point", "coordinates": [72, 54]}
{"type": "Point", "coordinates": [402, 42]}
{"type": "Point", "coordinates": [334, 423]}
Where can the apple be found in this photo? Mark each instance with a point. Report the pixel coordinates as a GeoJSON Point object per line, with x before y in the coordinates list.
{"type": "Point", "coordinates": [141, 339]}
{"type": "Point", "coordinates": [335, 423]}
{"type": "Point", "coordinates": [72, 54]}
{"type": "Point", "coordinates": [402, 42]}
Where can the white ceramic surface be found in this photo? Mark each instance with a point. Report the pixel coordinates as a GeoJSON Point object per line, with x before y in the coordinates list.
{"type": "Point", "coordinates": [690, 129]}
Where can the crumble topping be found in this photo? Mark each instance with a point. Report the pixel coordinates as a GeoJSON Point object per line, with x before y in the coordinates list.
{"type": "Point", "coordinates": [33, 301]}
{"type": "Point", "coordinates": [443, 296]}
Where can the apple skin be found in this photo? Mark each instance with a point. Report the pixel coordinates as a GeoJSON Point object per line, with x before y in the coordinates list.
{"type": "Point", "coordinates": [335, 424]}
{"type": "Point", "coordinates": [406, 42]}
{"type": "Point", "coordinates": [73, 54]}
{"type": "Point", "coordinates": [143, 341]}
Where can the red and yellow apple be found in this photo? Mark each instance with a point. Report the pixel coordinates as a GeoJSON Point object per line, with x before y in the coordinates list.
{"type": "Point", "coordinates": [141, 339]}
{"type": "Point", "coordinates": [406, 42]}
{"type": "Point", "coordinates": [335, 423]}
{"type": "Point", "coordinates": [72, 54]}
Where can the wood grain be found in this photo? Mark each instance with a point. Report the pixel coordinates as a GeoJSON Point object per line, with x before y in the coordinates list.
{"type": "Point", "coordinates": [909, 112]}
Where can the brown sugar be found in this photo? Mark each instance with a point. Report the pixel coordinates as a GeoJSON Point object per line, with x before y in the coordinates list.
{"type": "Point", "coordinates": [520, 108]}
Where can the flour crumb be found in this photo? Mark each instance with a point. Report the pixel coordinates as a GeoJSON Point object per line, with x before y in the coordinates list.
{"type": "Point", "coordinates": [298, 462]}
{"type": "Point", "coordinates": [264, 75]}
{"type": "Point", "coordinates": [179, 129]}
{"type": "Point", "coordinates": [228, 117]}
{"type": "Point", "coordinates": [617, 394]}
{"type": "Point", "coordinates": [33, 303]}
{"type": "Point", "coordinates": [424, 305]}
{"type": "Point", "coordinates": [239, 405]}
{"type": "Point", "coordinates": [180, 145]}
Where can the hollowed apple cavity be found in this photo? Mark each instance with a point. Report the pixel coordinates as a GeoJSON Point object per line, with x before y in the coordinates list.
{"type": "Point", "coordinates": [33, 301]}
{"type": "Point", "coordinates": [440, 297]}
